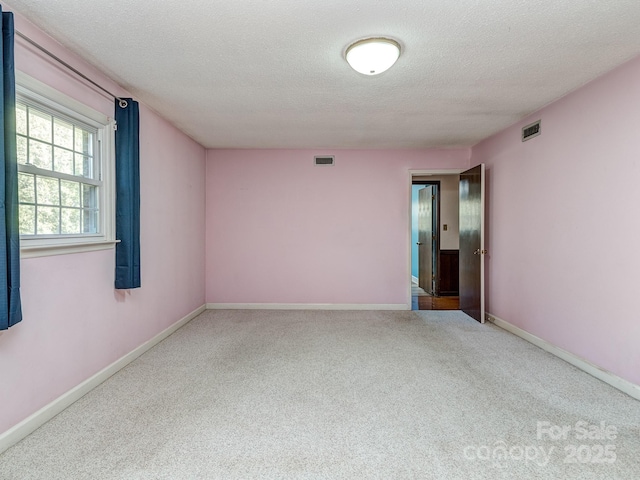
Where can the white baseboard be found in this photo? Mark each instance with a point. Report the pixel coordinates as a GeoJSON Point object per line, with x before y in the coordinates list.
{"type": "Point", "coordinates": [307, 306]}
{"type": "Point", "coordinates": [415, 280]}
{"type": "Point", "coordinates": [612, 379]}
{"type": "Point", "coordinates": [46, 413]}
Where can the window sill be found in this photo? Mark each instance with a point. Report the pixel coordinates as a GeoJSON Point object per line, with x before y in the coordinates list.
{"type": "Point", "coordinates": [65, 249]}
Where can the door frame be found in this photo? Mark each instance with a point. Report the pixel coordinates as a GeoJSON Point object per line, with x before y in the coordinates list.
{"type": "Point", "coordinates": [435, 249]}
{"type": "Point", "coordinates": [412, 174]}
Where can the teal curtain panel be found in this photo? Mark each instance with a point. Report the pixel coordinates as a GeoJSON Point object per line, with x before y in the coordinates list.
{"type": "Point", "coordinates": [10, 305]}
{"type": "Point", "coordinates": [127, 194]}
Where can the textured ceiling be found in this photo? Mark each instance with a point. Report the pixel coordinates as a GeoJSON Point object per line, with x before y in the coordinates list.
{"type": "Point", "coordinates": [270, 74]}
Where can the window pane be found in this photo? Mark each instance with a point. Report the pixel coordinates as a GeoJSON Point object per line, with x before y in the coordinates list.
{"type": "Point", "coordinates": [26, 188]}
{"type": "Point", "coordinates": [40, 154]}
{"type": "Point", "coordinates": [70, 221]}
{"type": "Point", "coordinates": [48, 220]}
{"type": "Point", "coordinates": [70, 194]}
{"type": "Point", "coordinates": [48, 192]}
{"type": "Point", "coordinates": [62, 133]}
{"type": "Point", "coordinates": [84, 141]}
{"type": "Point", "coordinates": [63, 160]}
{"type": "Point", "coordinates": [89, 196]}
{"type": "Point", "coordinates": [21, 119]}
{"type": "Point", "coordinates": [84, 166]}
{"type": "Point", "coordinates": [27, 220]}
{"type": "Point", "coordinates": [40, 125]}
{"type": "Point", "coordinates": [90, 221]}
{"type": "Point", "coordinates": [22, 149]}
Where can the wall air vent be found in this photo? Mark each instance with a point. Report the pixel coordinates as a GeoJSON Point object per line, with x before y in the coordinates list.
{"type": "Point", "coordinates": [530, 131]}
{"type": "Point", "coordinates": [324, 160]}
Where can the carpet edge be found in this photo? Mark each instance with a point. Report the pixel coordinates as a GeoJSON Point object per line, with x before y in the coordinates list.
{"type": "Point", "coordinates": [308, 306]}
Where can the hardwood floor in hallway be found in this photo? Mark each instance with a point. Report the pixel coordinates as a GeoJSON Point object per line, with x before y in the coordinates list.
{"type": "Point", "coordinates": [421, 300]}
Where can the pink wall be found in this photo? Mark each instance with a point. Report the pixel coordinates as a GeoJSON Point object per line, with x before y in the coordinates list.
{"type": "Point", "coordinates": [75, 323]}
{"type": "Point", "coordinates": [564, 228]}
{"type": "Point", "coordinates": [562, 236]}
{"type": "Point", "coordinates": [281, 230]}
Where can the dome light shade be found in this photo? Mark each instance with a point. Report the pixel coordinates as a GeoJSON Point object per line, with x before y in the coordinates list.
{"type": "Point", "coordinates": [372, 56]}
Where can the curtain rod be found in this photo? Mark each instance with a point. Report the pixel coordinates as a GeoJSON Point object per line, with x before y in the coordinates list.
{"type": "Point", "coordinates": [123, 102]}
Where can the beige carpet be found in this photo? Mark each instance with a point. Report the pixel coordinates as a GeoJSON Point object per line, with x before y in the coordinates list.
{"type": "Point", "coordinates": [339, 395]}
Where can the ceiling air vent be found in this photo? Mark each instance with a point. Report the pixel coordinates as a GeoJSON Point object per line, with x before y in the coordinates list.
{"type": "Point", "coordinates": [324, 160]}
{"type": "Point", "coordinates": [530, 131]}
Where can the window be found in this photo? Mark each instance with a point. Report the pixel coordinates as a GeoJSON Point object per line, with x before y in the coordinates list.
{"type": "Point", "coordinates": [64, 172]}
{"type": "Point", "coordinates": [59, 176]}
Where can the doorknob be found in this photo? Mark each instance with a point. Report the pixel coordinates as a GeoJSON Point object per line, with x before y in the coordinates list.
{"type": "Point", "coordinates": [418, 243]}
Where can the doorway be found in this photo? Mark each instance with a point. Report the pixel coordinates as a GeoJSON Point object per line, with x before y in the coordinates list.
{"type": "Point", "coordinates": [435, 238]}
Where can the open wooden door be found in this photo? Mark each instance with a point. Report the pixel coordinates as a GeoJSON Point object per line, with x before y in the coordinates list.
{"type": "Point", "coordinates": [472, 249]}
{"type": "Point", "coordinates": [425, 238]}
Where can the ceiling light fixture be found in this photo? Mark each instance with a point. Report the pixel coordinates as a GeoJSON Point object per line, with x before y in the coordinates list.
{"type": "Point", "coordinates": [372, 56]}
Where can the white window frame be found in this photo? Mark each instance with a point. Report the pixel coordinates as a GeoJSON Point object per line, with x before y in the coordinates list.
{"type": "Point", "coordinates": [34, 91]}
